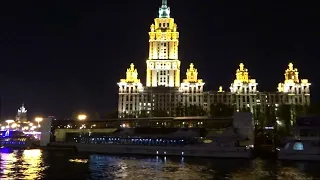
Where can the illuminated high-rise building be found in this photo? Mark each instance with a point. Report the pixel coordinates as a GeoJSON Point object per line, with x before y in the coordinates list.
{"type": "Point", "coordinates": [163, 65]}
{"type": "Point", "coordinates": [164, 94]}
{"type": "Point", "coordinates": [162, 90]}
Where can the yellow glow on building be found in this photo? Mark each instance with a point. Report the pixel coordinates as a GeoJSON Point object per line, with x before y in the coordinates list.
{"type": "Point", "coordinates": [291, 74]}
{"type": "Point", "coordinates": [292, 84]}
{"type": "Point", "coordinates": [192, 88]}
{"type": "Point", "coordinates": [192, 75]}
{"type": "Point", "coordinates": [220, 89]}
{"type": "Point", "coordinates": [245, 90]}
{"type": "Point", "coordinates": [163, 65]}
{"type": "Point", "coordinates": [165, 92]}
{"type": "Point", "coordinates": [242, 74]}
{"type": "Point", "coordinates": [163, 39]}
{"type": "Point", "coordinates": [131, 75]}
{"type": "Point", "coordinates": [129, 90]}
{"type": "Point", "coordinates": [242, 83]}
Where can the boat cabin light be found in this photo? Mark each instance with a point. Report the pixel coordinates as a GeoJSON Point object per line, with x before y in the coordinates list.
{"type": "Point", "coordinates": [298, 146]}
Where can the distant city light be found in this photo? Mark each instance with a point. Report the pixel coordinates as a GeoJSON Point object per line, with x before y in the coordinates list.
{"type": "Point", "coordinates": [9, 121]}
{"type": "Point", "coordinates": [33, 132]}
{"type": "Point", "coordinates": [38, 119]}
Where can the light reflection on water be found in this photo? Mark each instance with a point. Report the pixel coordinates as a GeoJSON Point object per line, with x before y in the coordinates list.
{"type": "Point", "coordinates": [26, 164]}
{"type": "Point", "coordinates": [108, 167]}
{"type": "Point", "coordinates": [38, 164]}
{"type": "Point", "coordinates": [112, 167]}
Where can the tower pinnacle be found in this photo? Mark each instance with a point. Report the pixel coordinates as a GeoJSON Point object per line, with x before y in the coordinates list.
{"type": "Point", "coordinates": [164, 11]}
{"type": "Point", "coordinates": [164, 3]}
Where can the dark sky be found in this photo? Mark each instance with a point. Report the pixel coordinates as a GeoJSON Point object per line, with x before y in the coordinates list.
{"type": "Point", "coordinates": [62, 56]}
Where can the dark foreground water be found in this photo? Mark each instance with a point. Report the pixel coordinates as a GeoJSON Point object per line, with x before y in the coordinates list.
{"type": "Point", "coordinates": [38, 164]}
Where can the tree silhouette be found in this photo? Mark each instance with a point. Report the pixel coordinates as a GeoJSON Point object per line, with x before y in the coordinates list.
{"type": "Point", "coordinates": [313, 109]}
{"type": "Point", "coordinates": [221, 110]}
{"type": "Point", "coordinates": [285, 115]}
{"type": "Point", "coordinates": [160, 113]}
{"type": "Point", "coordinates": [144, 114]}
{"type": "Point", "coordinates": [192, 110]}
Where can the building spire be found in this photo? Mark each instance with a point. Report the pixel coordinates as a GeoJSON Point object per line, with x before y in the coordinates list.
{"type": "Point", "coordinates": [164, 11]}
{"type": "Point", "coordinates": [164, 3]}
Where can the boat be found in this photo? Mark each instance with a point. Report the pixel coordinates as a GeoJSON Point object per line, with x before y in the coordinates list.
{"type": "Point", "coordinates": [16, 139]}
{"type": "Point", "coordinates": [305, 143]}
{"type": "Point", "coordinates": [234, 142]}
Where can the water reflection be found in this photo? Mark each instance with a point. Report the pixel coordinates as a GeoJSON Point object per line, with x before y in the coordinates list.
{"type": "Point", "coordinates": [78, 160]}
{"type": "Point", "coordinates": [113, 167]}
{"type": "Point", "coordinates": [34, 164]}
{"type": "Point", "coordinates": [25, 164]}
{"type": "Point", "coordinates": [264, 169]}
{"type": "Point", "coordinates": [8, 161]}
{"type": "Point", "coordinates": [108, 167]}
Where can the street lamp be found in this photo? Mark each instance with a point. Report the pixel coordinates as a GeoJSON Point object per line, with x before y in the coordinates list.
{"type": "Point", "coordinates": [82, 117]}
{"type": "Point", "coordinates": [38, 119]}
{"type": "Point", "coordinates": [9, 121]}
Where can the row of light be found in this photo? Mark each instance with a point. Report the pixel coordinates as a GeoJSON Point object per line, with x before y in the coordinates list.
{"type": "Point", "coordinates": [32, 127]}
{"type": "Point", "coordinates": [81, 117]}
{"type": "Point", "coordinates": [13, 125]}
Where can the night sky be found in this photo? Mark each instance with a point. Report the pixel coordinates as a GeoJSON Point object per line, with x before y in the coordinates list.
{"type": "Point", "coordinates": [59, 57]}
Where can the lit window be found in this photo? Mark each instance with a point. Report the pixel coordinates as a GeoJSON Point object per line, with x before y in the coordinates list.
{"type": "Point", "coordinates": [298, 146]}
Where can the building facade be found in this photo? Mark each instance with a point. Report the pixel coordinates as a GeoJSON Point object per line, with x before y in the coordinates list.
{"type": "Point", "coordinates": [163, 93]}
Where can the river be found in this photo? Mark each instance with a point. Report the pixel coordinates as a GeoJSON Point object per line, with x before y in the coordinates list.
{"type": "Point", "coordinates": [38, 164]}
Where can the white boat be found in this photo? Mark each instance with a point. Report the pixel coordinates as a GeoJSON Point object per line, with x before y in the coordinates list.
{"type": "Point", "coordinates": [176, 144]}
{"type": "Point", "coordinates": [235, 142]}
{"type": "Point", "coordinates": [305, 150]}
{"type": "Point", "coordinates": [227, 147]}
{"type": "Point", "coordinates": [305, 143]}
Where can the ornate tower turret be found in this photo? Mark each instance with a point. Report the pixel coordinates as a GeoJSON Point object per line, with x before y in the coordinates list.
{"type": "Point", "coordinates": [131, 75]}
{"type": "Point", "coordinates": [192, 87]}
{"type": "Point", "coordinates": [129, 89]}
{"type": "Point", "coordinates": [163, 66]}
{"type": "Point", "coordinates": [220, 89]}
{"type": "Point", "coordinates": [245, 90]}
{"type": "Point", "coordinates": [297, 89]}
{"type": "Point", "coordinates": [243, 84]}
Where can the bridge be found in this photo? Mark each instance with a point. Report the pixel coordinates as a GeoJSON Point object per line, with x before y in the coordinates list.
{"type": "Point", "coordinates": [154, 122]}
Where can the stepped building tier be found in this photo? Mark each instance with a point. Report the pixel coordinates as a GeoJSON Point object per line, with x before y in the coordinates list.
{"type": "Point", "coordinates": [129, 91]}
{"type": "Point", "coordinates": [297, 90]}
{"type": "Point", "coordinates": [163, 65]}
{"type": "Point", "coordinates": [244, 89]}
{"type": "Point", "coordinates": [164, 94]}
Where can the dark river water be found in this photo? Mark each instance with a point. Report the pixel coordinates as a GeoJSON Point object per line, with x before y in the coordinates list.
{"type": "Point", "coordinates": [38, 164]}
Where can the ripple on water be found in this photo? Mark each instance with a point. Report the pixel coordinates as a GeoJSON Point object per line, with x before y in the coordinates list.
{"type": "Point", "coordinates": [36, 164]}
{"type": "Point", "coordinates": [24, 164]}
{"type": "Point", "coordinates": [144, 169]}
